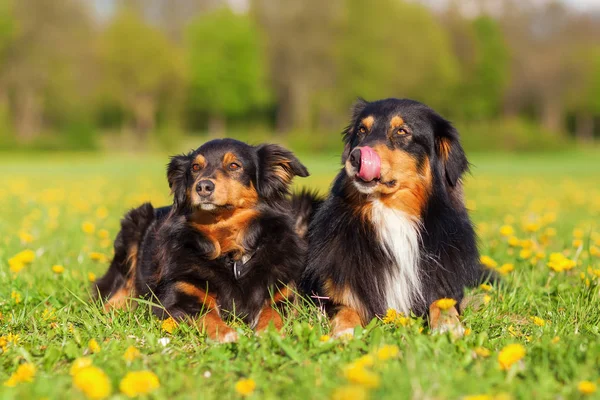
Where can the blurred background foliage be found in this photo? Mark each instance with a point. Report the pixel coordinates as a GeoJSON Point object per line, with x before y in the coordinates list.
{"type": "Point", "coordinates": [152, 74]}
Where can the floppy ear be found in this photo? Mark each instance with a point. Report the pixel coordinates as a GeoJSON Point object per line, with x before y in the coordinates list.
{"type": "Point", "coordinates": [276, 169]}
{"type": "Point", "coordinates": [177, 177]}
{"type": "Point", "coordinates": [348, 132]}
{"type": "Point", "coordinates": [449, 151]}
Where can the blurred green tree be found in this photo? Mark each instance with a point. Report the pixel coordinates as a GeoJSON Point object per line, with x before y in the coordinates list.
{"type": "Point", "coordinates": [485, 76]}
{"type": "Point", "coordinates": [396, 49]}
{"type": "Point", "coordinates": [139, 66]}
{"type": "Point", "coordinates": [44, 64]}
{"type": "Point", "coordinates": [227, 68]}
{"type": "Point", "coordinates": [583, 96]}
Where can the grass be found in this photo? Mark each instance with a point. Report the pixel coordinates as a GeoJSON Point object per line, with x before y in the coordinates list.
{"type": "Point", "coordinates": [552, 202]}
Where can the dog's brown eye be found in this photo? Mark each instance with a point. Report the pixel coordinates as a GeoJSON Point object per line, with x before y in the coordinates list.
{"type": "Point", "coordinates": [362, 129]}
{"type": "Point", "coordinates": [196, 167]}
{"type": "Point", "coordinates": [402, 131]}
{"type": "Point", "coordinates": [234, 166]}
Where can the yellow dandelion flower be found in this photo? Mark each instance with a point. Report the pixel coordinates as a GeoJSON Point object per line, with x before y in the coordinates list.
{"type": "Point", "coordinates": [88, 227]}
{"type": "Point", "coordinates": [131, 354]}
{"type": "Point", "coordinates": [95, 256]}
{"type": "Point", "coordinates": [507, 230]}
{"type": "Point", "coordinates": [445, 304]}
{"type": "Point", "coordinates": [58, 269]}
{"type": "Point", "coordinates": [538, 321]}
{"type": "Point", "coordinates": [487, 298]}
{"type": "Point", "coordinates": [390, 316]}
{"type": "Point", "coordinates": [245, 387]}
{"type": "Point", "coordinates": [526, 243]}
{"type": "Point", "coordinates": [388, 351]}
{"type": "Point", "coordinates": [136, 383]}
{"type": "Point", "coordinates": [594, 251]}
{"type": "Point", "coordinates": [16, 296]}
{"type": "Point", "coordinates": [485, 287]}
{"type": "Point", "coordinates": [25, 237]}
{"type": "Point", "coordinates": [532, 227]}
{"type": "Point", "coordinates": [488, 262]}
{"type": "Point", "coordinates": [102, 212]}
{"type": "Point", "coordinates": [555, 339]}
{"type": "Point", "coordinates": [79, 364]}
{"type": "Point", "coordinates": [510, 355]}
{"type": "Point", "coordinates": [578, 233]}
{"type": "Point", "coordinates": [169, 325]}
{"type": "Point", "coordinates": [93, 346]}
{"type": "Point", "coordinates": [586, 387]}
{"type": "Point", "coordinates": [558, 262]}
{"type": "Point", "coordinates": [513, 241]}
{"type": "Point", "coordinates": [482, 352]}
{"type": "Point", "coordinates": [24, 373]}
{"type": "Point", "coordinates": [478, 397]}
{"type": "Point", "coordinates": [360, 375]}
{"type": "Point", "coordinates": [577, 242]}
{"type": "Point", "coordinates": [365, 361]}
{"type": "Point", "coordinates": [15, 266]}
{"type": "Point", "coordinates": [325, 338]}
{"type": "Point", "coordinates": [468, 332]}
{"type": "Point", "coordinates": [93, 382]}
{"type": "Point", "coordinates": [525, 254]}
{"type": "Point", "coordinates": [505, 269]}
{"type": "Point", "coordinates": [394, 317]}
{"type": "Point", "coordinates": [91, 276]}
{"type": "Point", "coordinates": [350, 392]}
{"type": "Point", "coordinates": [25, 256]}
{"type": "Point", "coordinates": [3, 343]}
{"type": "Point", "coordinates": [550, 232]}
{"type": "Point", "coordinates": [103, 234]}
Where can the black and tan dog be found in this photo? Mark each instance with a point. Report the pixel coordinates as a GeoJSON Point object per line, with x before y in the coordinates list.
{"type": "Point", "coordinates": [226, 247]}
{"type": "Point", "coordinates": [394, 231]}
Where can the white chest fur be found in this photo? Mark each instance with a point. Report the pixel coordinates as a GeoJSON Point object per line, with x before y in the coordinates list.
{"type": "Point", "coordinates": [399, 235]}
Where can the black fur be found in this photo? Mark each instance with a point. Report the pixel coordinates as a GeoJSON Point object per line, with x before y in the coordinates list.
{"type": "Point", "coordinates": [344, 248]}
{"type": "Point", "coordinates": [171, 250]}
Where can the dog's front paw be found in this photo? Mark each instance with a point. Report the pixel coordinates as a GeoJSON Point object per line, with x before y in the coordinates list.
{"type": "Point", "coordinates": [347, 333]}
{"type": "Point", "coordinates": [229, 336]}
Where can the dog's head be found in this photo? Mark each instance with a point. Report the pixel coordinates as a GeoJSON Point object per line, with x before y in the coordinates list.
{"type": "Point", "coordinates": [227, 174]}
{"type": "Point", "coordinates": [398, 149]}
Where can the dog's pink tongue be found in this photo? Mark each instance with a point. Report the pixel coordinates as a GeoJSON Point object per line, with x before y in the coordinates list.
{"type": "Point", "coordinates": [370, 164]}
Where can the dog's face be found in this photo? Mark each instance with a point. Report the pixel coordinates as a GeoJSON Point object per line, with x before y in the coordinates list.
{"type": "Point", "coordinates": [398, 148]}
{"type": "Point", "coordinates": [227, 174]}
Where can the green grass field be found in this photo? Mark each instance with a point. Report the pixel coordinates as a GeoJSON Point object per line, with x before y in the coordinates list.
{"type": "Point", "coordinates": [67, 211]}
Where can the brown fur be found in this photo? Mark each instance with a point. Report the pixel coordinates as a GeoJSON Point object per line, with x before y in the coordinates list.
{"type": "Point", "coordinates": [225, 230]}
{"type": "Point", "coordinates": [345, 297]}
{"type": "Point", "coordinates": [346, 318]}
{"type": "Point", "coordinates": [396, 122]}
{"type": "Point", "coordinates": [368, 122]}
{"type": "Point", "coordinates": [267, 316]}
{"type": "Point", "coordinates": [412, 185]}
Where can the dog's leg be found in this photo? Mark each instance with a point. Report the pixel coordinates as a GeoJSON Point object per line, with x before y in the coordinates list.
{"type": "Point", "coordinates": [268, 315]}
{"type": "Point", "coordinates": [188, 299]}
{"type": "Point", "coordinates": [271, 311]}
{"type": "Point", "coordinates": [344, 322]}
{"type": "Point", "coordinates": [441, 321]}
{"type": "Point", "coordinates": [215, 328]}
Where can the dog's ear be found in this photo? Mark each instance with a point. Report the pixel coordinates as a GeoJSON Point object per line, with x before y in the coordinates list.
{"type": "Point", "coordinates": [449, 151]}
{"type": "Point", "coordinates": [276, 169]}
{"type": "Point", "coordinates": [357, 108]}
{"type": "Point", "coordinates": [177, 176]}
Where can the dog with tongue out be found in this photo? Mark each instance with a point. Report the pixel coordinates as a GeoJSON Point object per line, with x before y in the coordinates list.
{"type": "Point", "coordinates": [394, 232]}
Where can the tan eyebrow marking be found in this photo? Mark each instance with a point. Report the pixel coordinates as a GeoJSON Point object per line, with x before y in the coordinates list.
{"type": "Point", "coordinates": [200, 160]}
{"type": "Point", "coordinates": [368, 122]}
{"type": "Point", "coordinates": [396, 122]}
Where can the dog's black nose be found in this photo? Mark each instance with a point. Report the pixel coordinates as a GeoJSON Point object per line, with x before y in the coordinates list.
{"type": "Point", "coordinates": [205, 187]}
{"type": "Point", "coordinates": [355, 159]}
